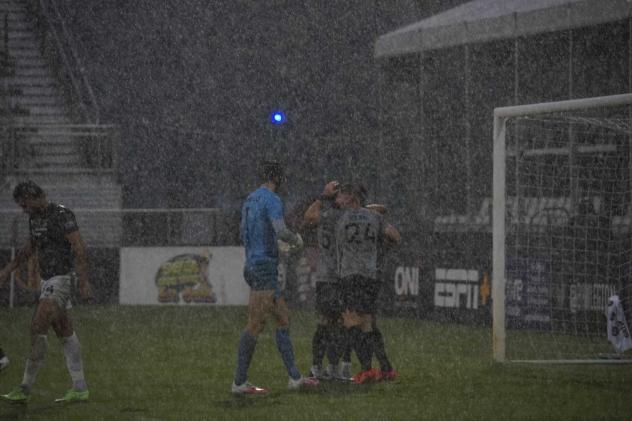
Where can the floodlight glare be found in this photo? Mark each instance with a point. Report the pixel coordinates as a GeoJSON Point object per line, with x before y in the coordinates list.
{"type": "Point", "coordinates": [277, 117]}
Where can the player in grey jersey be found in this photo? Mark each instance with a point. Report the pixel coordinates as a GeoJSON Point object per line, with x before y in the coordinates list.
{"type": "Point", "coordinates": [360, 234]}
{"type": "Point", "coordinates": [328, 336]}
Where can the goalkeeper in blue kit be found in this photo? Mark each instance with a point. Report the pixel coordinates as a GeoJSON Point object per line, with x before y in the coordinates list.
{"type": "Point", "coordinates": [262, 224]}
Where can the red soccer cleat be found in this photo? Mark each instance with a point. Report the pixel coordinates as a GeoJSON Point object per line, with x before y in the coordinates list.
{"type": "Point", "coordinates": [364, 377]}
{"type": "Point", "coordinates": [391, 374]}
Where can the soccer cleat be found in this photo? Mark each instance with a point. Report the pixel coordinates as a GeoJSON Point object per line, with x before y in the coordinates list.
{"type": "Point", "coordinates": [315, 372]}
{"type": "Point", "coordinates": [345, 370]}
{"type": "Point", "coordinates": [74, 395]}
{"type": "Point", "coordinates": [302, 383]}
{"type": "Point", "coordinates": [247, 389]}
{"type": "Point", "coordinates": [330, 372]}
{"type": "Point", "coordinates": [17, 395]}
{"type": "Point", "coordinates": [391, 374]}
{"type": "Point", "coordinates": [4, 362]}
{"type": "Point", "coordinates": [364, 377]}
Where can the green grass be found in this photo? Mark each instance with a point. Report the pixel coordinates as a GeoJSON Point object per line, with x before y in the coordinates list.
{"type": "Point", "coordinates": [154, 363]}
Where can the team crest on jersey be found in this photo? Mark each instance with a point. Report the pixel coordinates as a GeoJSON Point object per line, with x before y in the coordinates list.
{"type": "Point", "coordinates": [38, 228]}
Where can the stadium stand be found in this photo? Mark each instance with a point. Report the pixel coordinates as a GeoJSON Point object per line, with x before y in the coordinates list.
{"type": "Point", "coordinates": [70, 154]}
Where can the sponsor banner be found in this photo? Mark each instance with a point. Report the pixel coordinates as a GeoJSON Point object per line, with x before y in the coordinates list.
{"type": "Point", "coordinates": [456, 288]}
{"type": "Point", "coordinates": [183, 275]}
{"type": "Point", "coordinates": [590, 297]}
{"type": "Point", "coordinates": [528, 294]}
{"type": "Point", "coordinates": [406, 287]}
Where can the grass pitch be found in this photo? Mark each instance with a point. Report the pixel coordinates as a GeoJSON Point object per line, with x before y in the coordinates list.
{"type": "Point", "coordinates": [177, 363]}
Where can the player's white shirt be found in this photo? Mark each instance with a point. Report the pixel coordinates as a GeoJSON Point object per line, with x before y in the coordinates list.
{"type": "Point", "coordinates": [618, 332]}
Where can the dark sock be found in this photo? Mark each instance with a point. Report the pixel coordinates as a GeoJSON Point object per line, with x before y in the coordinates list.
{"type": "Point", "coordinates": [367, 345]}
{"type": "Point", "coordinates": [245, 351]}
{"type": "Point", "coordinates": [284, 345]}
{"type": "Point", "coordinates": [319, 344]}
{"type": "Point", "coordinates": [337, 344]}
{"type": "Point", "coordinates": [380, 350]}
{"type": "Point", "coordinates": [362, 347]}
{"type": "Point", "coordinates": [347, 345]}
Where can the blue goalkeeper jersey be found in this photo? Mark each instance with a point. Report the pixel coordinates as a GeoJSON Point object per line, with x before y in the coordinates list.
{"type": "Point", "coordinates": [257, 233]}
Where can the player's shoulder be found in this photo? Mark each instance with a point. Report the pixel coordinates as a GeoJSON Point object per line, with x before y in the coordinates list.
{"type": "Point", "coordinates": [57, 209]}
{"type": "Point", "coordinates": [62, 216]}
{"type": "Point", "coordinates": [270, 196]}
{"type": "Point", "coordinates": [361, 213]}
{"type": "Point", "coordinates": [372, 215]}
{"type": "Point", "coordinates": [332, 212]}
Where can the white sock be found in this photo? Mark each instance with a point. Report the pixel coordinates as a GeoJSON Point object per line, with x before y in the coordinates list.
{"type": "Point", "coordinates": [35, 361]}
{"type": "Point", "coordinates": [74, 363]}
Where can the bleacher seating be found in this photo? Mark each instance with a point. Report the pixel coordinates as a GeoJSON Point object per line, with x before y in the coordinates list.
{"type": "Point", "coordinates": [48, 148]}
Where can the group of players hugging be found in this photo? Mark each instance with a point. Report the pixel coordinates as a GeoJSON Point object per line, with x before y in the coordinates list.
{"type": "Point", "coordinates": [352, 237]}
{"type": "Point", "coordinates": [351, 240]}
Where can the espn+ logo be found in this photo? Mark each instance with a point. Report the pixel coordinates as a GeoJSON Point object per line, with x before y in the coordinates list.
{"type": "Point", "coordinates": [456, 288]}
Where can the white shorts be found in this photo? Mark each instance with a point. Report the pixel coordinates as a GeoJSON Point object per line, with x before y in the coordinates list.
{"type": "Point", "coordinates": [60, 288]}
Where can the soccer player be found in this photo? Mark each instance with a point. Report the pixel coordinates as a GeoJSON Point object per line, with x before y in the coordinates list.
{"type": "Point", "coordinates": [54, 239]}
{"type": "Point", "coordinates": [4, 360]}
{"type": "Point", "coordinates": [262, 224]}
{"type": "Point", "coordinates": [328, 335]}
{"type": "Point", "coordinates": [360, 233]}
{"type": "Point", "coordinates": [387, 372]}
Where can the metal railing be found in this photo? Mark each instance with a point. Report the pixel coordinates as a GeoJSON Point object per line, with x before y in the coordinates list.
{"type": "Point", "coordinates": [48, 147]}
{"type": "Point", "coordinates": [61, 48]}
{"type": "Point", "coordinates": [115, 228]}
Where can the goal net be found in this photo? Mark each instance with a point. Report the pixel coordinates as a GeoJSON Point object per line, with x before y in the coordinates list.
{"type": "Point", "coordinates": [561, 228]}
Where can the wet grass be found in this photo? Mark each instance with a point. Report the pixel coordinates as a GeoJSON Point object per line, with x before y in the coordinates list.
{"type": "Point", "coordinates": [155, 363]}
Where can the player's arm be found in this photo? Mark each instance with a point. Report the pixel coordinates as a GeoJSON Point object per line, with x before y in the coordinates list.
{"type": "Point", "coordinates": [33, 274]}
{"type": "Point", "coordinates": [81, 261]}
{"type": "Point", "coordinates": [312, 214]}
{"type": "Point", "coordinates": [21, 257]}
{"type": "Point", "coordinates": [392, 234]}
{"type": "Point", "coordinates": [19, 282]}
{"type": "Point", "coordinates": [284, 234]}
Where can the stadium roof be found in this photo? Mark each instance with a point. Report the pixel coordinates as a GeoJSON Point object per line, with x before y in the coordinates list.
{"type": "Point", "coordinates": [487, 20]}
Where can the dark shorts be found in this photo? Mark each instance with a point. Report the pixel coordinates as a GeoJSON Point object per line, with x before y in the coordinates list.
{"type": "Point", "coordinates": [262, 276]}
{"type": "Point", "coordinates": [360, 294]}
{"type": "Point", "coordinates": [328, 299]}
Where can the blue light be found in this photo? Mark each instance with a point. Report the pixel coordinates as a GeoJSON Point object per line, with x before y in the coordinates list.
{"type": "Point", "coordinates": [277, 117]}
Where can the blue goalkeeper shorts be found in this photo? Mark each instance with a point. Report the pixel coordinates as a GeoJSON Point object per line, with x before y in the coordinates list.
{"type": "Point", "coordinates": [262, 276]}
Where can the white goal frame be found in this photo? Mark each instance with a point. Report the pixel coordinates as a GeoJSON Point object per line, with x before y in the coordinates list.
{"type": "Point", "coordinates": [501, 115]}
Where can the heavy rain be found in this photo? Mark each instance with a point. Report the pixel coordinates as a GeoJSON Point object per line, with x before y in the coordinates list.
{"type": "Point", "coordinates": [502, 249]}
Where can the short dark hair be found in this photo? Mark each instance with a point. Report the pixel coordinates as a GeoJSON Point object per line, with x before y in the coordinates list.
{"type": "Point", "coordinates": [356, 190]}
{"type": "Point", "coordinates": [272, 171]}
{"type": "Point", "coordinates": [27, 190]}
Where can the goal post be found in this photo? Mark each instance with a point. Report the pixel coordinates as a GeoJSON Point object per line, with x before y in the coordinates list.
{"type": "Point", "coordinates": [551, 161]}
